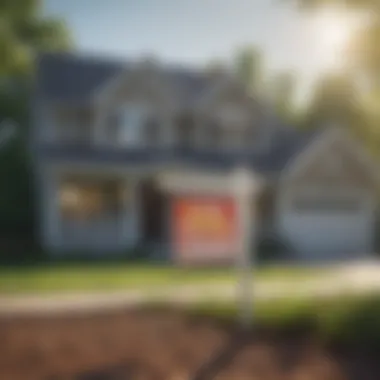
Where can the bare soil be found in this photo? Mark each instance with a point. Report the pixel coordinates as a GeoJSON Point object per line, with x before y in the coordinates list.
{"type": "Point", "coordinates": [166, 345]}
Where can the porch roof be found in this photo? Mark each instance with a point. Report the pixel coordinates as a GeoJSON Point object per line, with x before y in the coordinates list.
{"type": "Point", "coordinates": [210, 182]}
{"type": "Point", "coordinates": [270, 161]}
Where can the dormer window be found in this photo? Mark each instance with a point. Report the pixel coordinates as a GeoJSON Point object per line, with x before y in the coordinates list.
{"type": "Point", "coordinates": [75, 124]}
{"type": "Point", "coordinates": [113, 127]}
{"type": "Point", "coordinates": [133, 118]}
{"type": "Point", "coordinates": [125, 124]}
{"type": "Point", "coordinates": [151, 131]}
{"type": "Point", "coordinates": [185, 130]}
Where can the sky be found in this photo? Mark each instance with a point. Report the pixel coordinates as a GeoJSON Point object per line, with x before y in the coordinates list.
{"type": "Point", "coordinates": [194, 32]}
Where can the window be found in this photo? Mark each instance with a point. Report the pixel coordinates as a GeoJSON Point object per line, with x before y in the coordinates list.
{"type": "Point", "coordinates": [185, 130]}
{"type": "Point", "coordinates": [85, 200]}
{"type": "Point", "coordinates": [133, 122]}
{"type": "Point", "coordinates": [125, 124]}
{"type": "Point", "coordinates": [113, 127]}
{"type": "Point", "coordinates": [151, 133]}
{"type": "Point", "coordinates": [75, 124]}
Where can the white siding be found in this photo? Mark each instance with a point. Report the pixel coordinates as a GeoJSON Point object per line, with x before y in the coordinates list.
{"type": "Point", "coordinates": [319, 233]}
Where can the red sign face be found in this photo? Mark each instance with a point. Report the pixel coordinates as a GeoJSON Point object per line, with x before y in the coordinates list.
{"type": "Point", "coordinates": [204, 229]}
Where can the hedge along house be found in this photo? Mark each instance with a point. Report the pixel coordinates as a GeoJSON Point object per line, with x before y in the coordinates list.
{"type": "Point", "coordinates": [106, 132]}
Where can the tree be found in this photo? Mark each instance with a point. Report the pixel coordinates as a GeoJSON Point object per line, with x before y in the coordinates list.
{"type": "Point", "coordinates": [282, 90]}
{"type": "Point", "coordinates": [249, 68]}
{"type": "Point", "coordinates": [336, 100]}
{"type": "Point", "coordinates": [370, 5]}
{"type": "Point", "coordinates": [363, 50]}
{"type": "Point", "coordinates": [348, 101]}
{"type": "Point", "coordinates": [23, 32]}
{"type": "Point", "coordinates": [363, 54]}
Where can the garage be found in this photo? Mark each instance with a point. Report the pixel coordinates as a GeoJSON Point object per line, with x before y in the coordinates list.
{"type": "Point", "coordinates": [322, 225]}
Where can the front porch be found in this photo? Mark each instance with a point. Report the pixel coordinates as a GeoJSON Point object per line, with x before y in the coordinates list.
{"type": "Point", "coordinates": [102, 212]}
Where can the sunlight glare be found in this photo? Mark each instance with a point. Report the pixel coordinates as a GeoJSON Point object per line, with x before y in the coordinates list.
{"type": "Point", "coordinates": [333, 30]}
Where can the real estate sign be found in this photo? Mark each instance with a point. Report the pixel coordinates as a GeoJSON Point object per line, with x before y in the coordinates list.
{"type": "Point", "coordinates": [204, 229]}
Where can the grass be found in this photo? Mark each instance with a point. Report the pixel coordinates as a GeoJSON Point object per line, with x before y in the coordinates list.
{"type": "Point", "coordinates": [117, 276]}
{"type": "Point", "coordinates": [347, 321]}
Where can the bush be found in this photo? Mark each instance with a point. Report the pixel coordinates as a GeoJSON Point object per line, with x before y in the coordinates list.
{"type": "Point", "coordinates": [352, 322]}
{"type": "Point", "coordinates": [347, 322]}
{"type": "Point", "coordinates": [272, 249]}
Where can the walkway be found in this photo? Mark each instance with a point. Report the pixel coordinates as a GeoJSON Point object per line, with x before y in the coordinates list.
{"type": "Point", "coordinates": [345, 280]}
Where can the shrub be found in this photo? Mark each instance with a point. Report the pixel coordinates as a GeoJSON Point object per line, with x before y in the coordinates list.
{"type": "Point", "coordinates": [272, 248]}
{"type": "Point", "coordinates": [352, 322]}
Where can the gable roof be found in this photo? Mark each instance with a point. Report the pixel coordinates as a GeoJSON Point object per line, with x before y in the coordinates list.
{"type": "Point", "coordinates": [67, 77]}
{"type": "Point", "coordinates": [322, 139]}
{"type": "Point", "coordinates": [269, 163]}
{"type": "Point", "coordinates": [287, 144]}
{"type": "Point", "coordinates": [70, 77]}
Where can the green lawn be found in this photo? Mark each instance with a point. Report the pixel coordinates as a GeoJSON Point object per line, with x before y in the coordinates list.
{"type": "Point", "coordinates": [103, 277]}
{"type": "Point", "coordinates": [349, 319]}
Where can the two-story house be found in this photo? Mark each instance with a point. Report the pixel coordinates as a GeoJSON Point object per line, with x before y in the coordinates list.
{"type": "Point", "coordinates": [104, 131]}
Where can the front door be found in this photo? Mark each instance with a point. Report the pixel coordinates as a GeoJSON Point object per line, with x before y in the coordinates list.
{"type": "Point", "coordinates": [153, 211]}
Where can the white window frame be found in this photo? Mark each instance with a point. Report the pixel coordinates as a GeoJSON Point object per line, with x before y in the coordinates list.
{"type": "Point", "coordinates": [132, 119]}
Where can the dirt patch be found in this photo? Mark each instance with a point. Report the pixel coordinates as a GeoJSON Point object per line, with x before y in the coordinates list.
{"type": "Point", "coordinates": [164, 345]}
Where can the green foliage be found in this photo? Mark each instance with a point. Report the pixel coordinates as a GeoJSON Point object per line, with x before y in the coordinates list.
{"type": "Point", "coordinates": [335, 99]}
{"type": "Point", "coordinates": [23, 32]}
{"type": "Point", "coordinates": [339, 98]}
{"type": "Point", "coordinates": [16, 190]}
{"type": "Point", "coordinates": [362, 51]}
{"type": "Point", "coordinates": [373, 5]}
{"type": "Point", "coordinates": [350, 320]}
{"type": "Point", "coordinates": [282, 91]}
{"type": "Point", "coordinates": [271, 250]}
{"type": "Point", "coordinates": [249, 68]}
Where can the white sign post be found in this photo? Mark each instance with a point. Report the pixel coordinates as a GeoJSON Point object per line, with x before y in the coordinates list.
{"type": "Point", "coordinates": [243, 191]}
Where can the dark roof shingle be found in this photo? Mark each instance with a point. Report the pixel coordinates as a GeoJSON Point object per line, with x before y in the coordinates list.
{"type": "Point", "coordinates": [68, 77]}
{"type": "Point", "coordinates": [71, 78]}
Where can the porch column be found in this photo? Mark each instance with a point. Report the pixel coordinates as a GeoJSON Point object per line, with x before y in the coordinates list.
{"type": "Point", "coordinates": [168, 132]}
{"type": "Point", "coordinates": [50, 215]}
{"type": "Point", "coordinates": [99, 125]}
{"type": "Point", "coordinates": [130, 221]}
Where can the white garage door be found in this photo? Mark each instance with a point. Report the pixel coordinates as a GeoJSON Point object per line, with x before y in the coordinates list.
{"type": "Point", "coordinates": [328, 227]}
